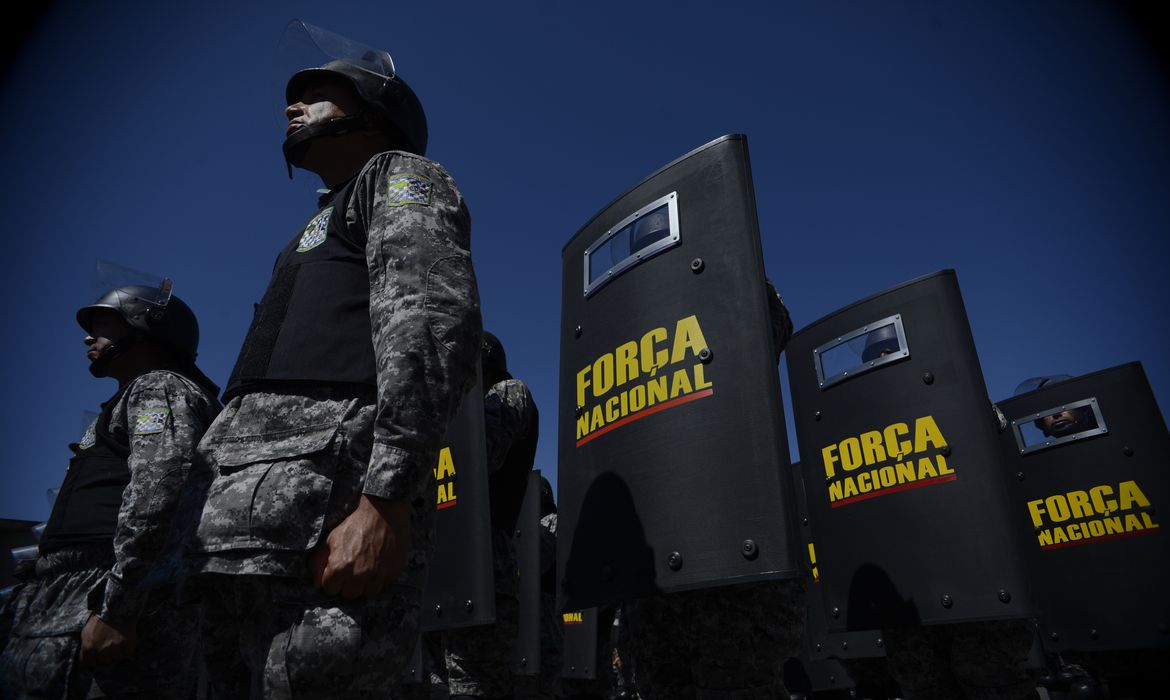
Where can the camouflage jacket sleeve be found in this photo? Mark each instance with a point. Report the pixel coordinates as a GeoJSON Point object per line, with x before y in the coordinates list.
{"type": "Point", "coordinates": [424, 313]}
{"type": "Point", "coordinates": [508, 410]}
{"type": "Point", "coordinates": [780, 320]}
{"type": "Point", "coordinates": [161, 416]}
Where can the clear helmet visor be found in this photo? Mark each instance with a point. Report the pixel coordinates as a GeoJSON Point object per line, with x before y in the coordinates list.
{"type": "Point", "coordinates": [304, 47]}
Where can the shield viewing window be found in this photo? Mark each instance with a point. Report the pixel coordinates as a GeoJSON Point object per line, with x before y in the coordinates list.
{"type": "Point", "coordinates": [1072, 421]}
{"type": "Point", "coordinates": [641, 235]}
{"type": "Point", "coordinates": [858, 351]}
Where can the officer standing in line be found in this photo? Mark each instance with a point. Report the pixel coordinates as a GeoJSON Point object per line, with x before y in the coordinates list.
{"type": "Point", "coordinates": [318, 525]}
{"type": "Point", "coordinates": [479, 659]}
{"type": "Point", "coordinates": [725, 642]}
{"type": "Point", "coordinates": [87, 616]}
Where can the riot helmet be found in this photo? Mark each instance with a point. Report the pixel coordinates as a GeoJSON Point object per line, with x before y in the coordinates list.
{"type": "Point", "coordinates": [321, 54]}
{"type": "Point", "coordinates": [151, 313]}
{"type": "Point", "coordinates": [495, 361]}
{"type": "Point", "coordinates": [1034, 383]}
{"type": "Point", "coordinates": [880, 341]}
{"type": "Point", "coordinates": [650, 229]}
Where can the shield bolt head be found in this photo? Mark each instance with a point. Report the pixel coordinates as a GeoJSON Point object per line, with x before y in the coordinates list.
{"type": "Point", "coordinates": [928, 377]}
{"type": "Point", "coordinates": [947, 601]}
{"type": "Point", "coordinates": [749, 549]}
{"type": "Point", "coordinates": [945, 451]}
{"type": "Point", "coordinates": [1094, 634]}
{"type": "Point", "coordinates": [1054, 637]}
{"type": "Point", "coordinates": [836, 612]}
{"type": "Point", "coordinates": [697, 265]}
{"type": "Point", "coordinates": [819, 647]}
{"type": "Point", "coordinates": [438, 610]}
{"type": "Point", "coordinates": [674, 561]}
{"type": "Point", "coordinates": [1004, 596]}
{"type": "Point", "coordinates": [577, 332]}
{"type": "Point", "coordinates": [817, 415]}
{"type": "Point", "coordinates": [844, 646]}
{"type": "Point", "coordinates": [469, 606]}
{"type": "Point", "coordinates": [705, 355]}
{"type": "Point", "coordinates": [523, 660]}
{"type": "Point", "coordinates": [804, 521]}
{"type": "Point", "coordinates": [1127, 451]}
{"type": "Point", "coordinates": [1019, 476]}
{"type": "Point", "coordinates": [580, 410]}
{"type": "Point", "coordinates": [880, 642]}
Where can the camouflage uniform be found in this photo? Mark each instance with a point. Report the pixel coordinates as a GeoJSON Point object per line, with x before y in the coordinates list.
{"type": "Point", "coordinates": [479, 659]}
{"type": "Point", "coordinates": [728, 643]}
{"type": "Point", "coordinates": [160, 416]}
{"type": "Point", "coordinates": [289, 460]}
{"type": "Point", "coordinates": [974, 660]}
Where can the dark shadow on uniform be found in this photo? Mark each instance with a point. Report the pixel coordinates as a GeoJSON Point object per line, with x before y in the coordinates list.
{"type": "Point", "coordinates": [874, 602]}
{"type": "Point", "coordinates": [609, 558]}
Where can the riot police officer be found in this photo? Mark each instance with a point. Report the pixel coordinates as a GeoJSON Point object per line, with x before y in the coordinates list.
{"type": "Point", "coordinates": [89, 614]}
{"type": "Point", "coordinates": [479, 658]}
{"type": "Point", "coordinates": [316, 532]}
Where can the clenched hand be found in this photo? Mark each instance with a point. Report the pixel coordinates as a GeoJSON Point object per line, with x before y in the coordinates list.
{"type": "Point", "coordinates": [366, 551]}
{"type": "Point", "coordinates": [103, 643]}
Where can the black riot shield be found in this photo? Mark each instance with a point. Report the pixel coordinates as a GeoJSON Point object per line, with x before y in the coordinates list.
{"type": "Point", "coordinates": [526, 539]}
{"type": "Point", "coordinates": [671, 431]}
{"type": "Point", "coordinates": [461, 589]}
{"type": "Point", "coordinates": [901, 464]}
{"type": "Point", "coordinates": [819, 643]}
{"type": "Point", "coordinates": [580, 654]}
{"type": "Point", "coordinates": [1086, 464]}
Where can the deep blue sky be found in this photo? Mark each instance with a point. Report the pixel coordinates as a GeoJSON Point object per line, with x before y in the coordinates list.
{"type": "Point", "coordinates": [1027, 145]}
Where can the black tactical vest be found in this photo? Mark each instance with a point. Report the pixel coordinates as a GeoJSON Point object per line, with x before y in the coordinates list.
{"type": "Point", "coordinates": [313, 325]}
{"type": "Point", "coordinates": [507, 485]}
{"type": "Point", "coordinates": [85, 512]}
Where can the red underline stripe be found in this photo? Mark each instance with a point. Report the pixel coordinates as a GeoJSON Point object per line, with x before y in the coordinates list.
{"type": "Point", "coordinates": [646, 412]}
{"type": "Point", "coordinates": [448, 504]}
{"type": "Point", "coordinates": [893, 489]}
{"type": "Point", "coordinates": [1090, 540]}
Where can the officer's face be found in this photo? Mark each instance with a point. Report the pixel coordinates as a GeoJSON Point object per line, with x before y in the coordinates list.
{"type": "Point", "coordinates": [106, 328]}
{"type": "Point", "coordinates": [319, 102]}
{"type": "Point", "coordinates": [1066, 422]}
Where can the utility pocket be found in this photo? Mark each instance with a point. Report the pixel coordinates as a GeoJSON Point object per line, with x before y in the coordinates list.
{"type": "Point", "coordinates": [271, 491]}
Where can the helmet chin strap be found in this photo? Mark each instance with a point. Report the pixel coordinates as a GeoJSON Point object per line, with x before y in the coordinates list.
{"type": "Point", "coordinates": [296, 145]}
{"type": "Point", "coordinates": [100, 365]}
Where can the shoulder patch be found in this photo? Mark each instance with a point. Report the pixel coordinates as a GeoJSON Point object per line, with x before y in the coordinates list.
{"type": "Point", "coordinates": [316, 232]}
{"type": "Point", "coordinates": [408, 188]}
{"type": "Point", "coordinates": [89, 438]}
{"type": "Point", "coordinates": [152, 420]}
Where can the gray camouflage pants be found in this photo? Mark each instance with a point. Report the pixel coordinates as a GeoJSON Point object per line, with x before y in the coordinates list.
{"type": "Point", "coordinates": [727, 643]}
{"type": "Point", "coordinates": [278, 639]}
{"type": "Point", "coordinates": [41, 657]}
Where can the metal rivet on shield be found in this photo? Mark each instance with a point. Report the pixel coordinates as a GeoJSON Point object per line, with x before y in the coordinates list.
{"type": "Point", "coordinates": [572, 668]}
{"type": "Point", "coordinates": [523, 660]}
{"type": "Point", "coordinates": [836, 612]}
{"type": "Point", "coordinates": [469, 606]}
{"type": "Point", "coordinates": [928, 377]}
{"type": "Point", "coordinates": [697, 265]}
{"type": "Point", "coordinates": [844, 646]}
{"type": "Point", "coordinates": [818, 647]}
{"type": "Point", "coordinates": [1094, 634]}
{"type": "Point", "coordinates": [577, 332]}
{"type": "Point", "coordinates": [880, 642]}
{"type": "Point", "coordinates": [947, 601]}
{"type": "Point", "coordinates": [1054, 637]}
{"type": "Point", "coordinates": [1127, 451]}
{"type": "Point", "coordinates": [705, 355]}
{"type": "Point", "coordinates": [945, 451]}
{"type": "Point", "coordinates": [1004, 596]}
{"type": "Point", "coordinates": [817, 415]}
{"type": "Point", "coordinates": [438, 610]}
{"type": "Point", "coordinates": [580, 410]}
{"type": "Point", "coordinates": [804, 521]}
{"type": "Point", "coordinates": [674, 561]}
{"type": "Point", "coordinates": [1019, 476]}
{"type": "Point", "coordinates": [749, 549]}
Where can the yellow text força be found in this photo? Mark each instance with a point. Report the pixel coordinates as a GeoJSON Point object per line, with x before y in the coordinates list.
{"type": "Point", "coordinates": [645, 356]}
{"type": "Point", "coordinates": [1097, 501]}
{"type": "Point", "coordinates": [875, 447]}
